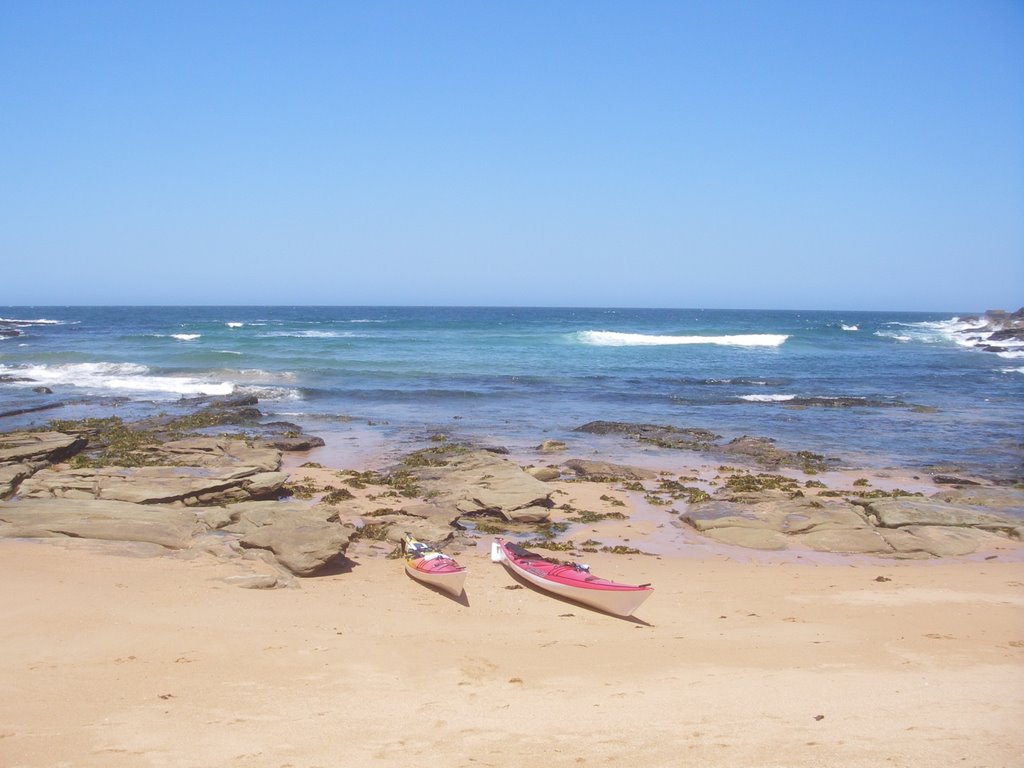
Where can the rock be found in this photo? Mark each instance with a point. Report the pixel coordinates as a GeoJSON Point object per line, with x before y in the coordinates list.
{"type": "Point", "coordinates": [1007, 500]}
{"type": "Point", "coordinates": [665, 436]}
{"type": "Point", "coordinates": [253, 581]}
{"type": "Point", "coordinates": [12, 474]}
{"type": "Point", "coordinates": [303, 539]}
{"type": "Point", "coordinates": [214, 452]}
{"type": "Point", "coordinates": [534, 514]}
{"type": "Point", "coordinates": [170, 527]}
{"type": "Point", "coordinates": [951, 480]}
{"type": "Point", "coordinates": [606, 472]}
{"type": "Point", "coordinates": [36, 446]}
{"type": "Point", "coordinates": [240, 400]}
{"type": "Point", "coordinates": [22, 454]}
{"type": "Point", "coordinates": [551, 446]}
{"type": "Point", "coordinates": [431, 531]}
{"type": "Point", "coordinates": [862, 540]}
{"type": "Point", "coordinates": [752, 538]}
{"type": "Point", "coordinates": [899, 512]}
{"type": "Point", "coordinates": [938, 541]}
{"type": "Point", "coordinates": [833, 526]}
{"type": "Point", "coordinates": [31, 409]}
{"type": "Point", "coordinates": [154, 485]}
{"type": "Point", "coordinates": [480, 482]}
{"type": "Point", "coordinates": [761, 450]}
{"type": "Point", "coordinates": [293, 444]}
{"type": "Point", "coordinates": [544, 474]}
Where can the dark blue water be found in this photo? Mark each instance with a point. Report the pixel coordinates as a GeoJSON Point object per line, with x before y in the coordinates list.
{"type": "Point", "coordinates": [915, 394]}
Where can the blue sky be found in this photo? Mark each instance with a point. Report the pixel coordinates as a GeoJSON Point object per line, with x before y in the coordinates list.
{"type": "Point", "coordinates": [832, 155]}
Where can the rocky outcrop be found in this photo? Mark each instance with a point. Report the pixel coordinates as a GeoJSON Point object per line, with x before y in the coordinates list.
{"type": "Point", "coordinates": [544, 474]}
{"type": "Point", "coordinates": [901, 512]}
{"type": "Point", "coordinates": [759, 450]}
{"type": "Point", "coordinates": [664, 436]}
{"type": "Point", "coordinates": [190, 486]}
{"type": "Point", "coordinates": [302, 538]}
{"type": "Point", "coordinates": [551, 446]}
{"type": "Point", "coordinates": [606, 472]}
{"type": "Point", "coordinates": [901, 527]}
{"type": "Point", "coordinates": [22, 447]}
{"type": "Point", "coordinates": [22, 454]}
{"type": "Point", "coordinates": [479, 482]}
{"type": "Point", "coordinates": [167, 526]}
{"type": "Point", "coordinates": [213, 452]}
{"type": "Point", "coordinates": [1009, 500]}
{"type": "Point", "coordinates": [997, 331]}
{"type": "Point", "coordinates": [833, 526]}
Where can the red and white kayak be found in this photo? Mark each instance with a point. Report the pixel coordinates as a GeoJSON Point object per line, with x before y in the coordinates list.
{"type": "Point", "coordinates": [426, 564]}
{"type": "Point", "coordinates": [570, 580]}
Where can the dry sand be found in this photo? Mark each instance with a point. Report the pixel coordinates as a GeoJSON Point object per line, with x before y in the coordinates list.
{"type": "Point", "coordinates": [111, 660]}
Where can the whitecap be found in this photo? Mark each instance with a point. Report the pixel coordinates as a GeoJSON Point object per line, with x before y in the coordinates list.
{"type": "Point", "coordinates": [186, 336]}
{"type": "Point", "coordinates": [234, 325]}
{"type": "Point", "coordinates": [40, 321]}
{"type": "Point", "coordinates": [846, 327]}
{"type": "Point", "coordinates": [895, 336]}
{"type": "Point", "coordinates": [272, 393]}
{"type": "Point", "coordinates": [767, 398]}
{"type": "Point", "coordinates": [121, 377]}
{"type": "Point", "coordinates": [309, 334]}
{"type": "Point", "coordinates": [616, 339]}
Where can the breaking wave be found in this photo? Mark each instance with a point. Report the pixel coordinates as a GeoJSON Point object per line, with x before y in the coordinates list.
{"type": "Point", "coordinates": [617, 339]}
{"type": "Point", "coordinates": [115, 377]}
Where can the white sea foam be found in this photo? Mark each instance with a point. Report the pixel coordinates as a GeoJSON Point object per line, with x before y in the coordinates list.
{"type": "Point", "coordinates": [272, 393]}
{"type": "Point", "coordinates": [234, 325]}
{"type": "Point", "coordinates": [309, 334]}
{"type": "Point", "coordinates": [1012, 370]}
{"type": "Point", "coordinates": [118, 377]}
{"type": "Point", "coordinates": [767, 398]}
{"type": "Point", "coordinates": [186, 336]}
{"type": "Point", "coordinates": [40, 321]}
{"type": "Point", "coordinates": [846, 327]}
{"type": "Point", "coordinates": [972, 333]}
{"type": "Point", "coordinates": [894, 335]}
{"type": "Point", "coordinates": [616, 339]}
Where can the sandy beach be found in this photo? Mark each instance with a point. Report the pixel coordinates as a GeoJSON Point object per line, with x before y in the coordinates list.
{"type": "Point", "coordinates": [115, 660]}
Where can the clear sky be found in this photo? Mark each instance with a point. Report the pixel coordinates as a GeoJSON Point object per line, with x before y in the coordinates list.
{"type": "Point", "coordinates": [827, 154]}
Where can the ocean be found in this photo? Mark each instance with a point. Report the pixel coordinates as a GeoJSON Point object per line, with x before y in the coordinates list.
{"type": "Point", "coordinates": [869, 388]}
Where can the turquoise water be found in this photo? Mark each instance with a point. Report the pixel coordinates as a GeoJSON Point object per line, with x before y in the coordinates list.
{"type": "Point", "coordinates": [916, 392]}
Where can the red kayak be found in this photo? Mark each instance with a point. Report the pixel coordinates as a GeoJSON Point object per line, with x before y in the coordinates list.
{"type": "Point", "coordinates": [426, 564]}
{"type": "Point", "coordinates": [570, 580]}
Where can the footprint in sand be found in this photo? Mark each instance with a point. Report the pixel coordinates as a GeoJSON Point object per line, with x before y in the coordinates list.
{"type": "Point", "coordinates": [476, 668]}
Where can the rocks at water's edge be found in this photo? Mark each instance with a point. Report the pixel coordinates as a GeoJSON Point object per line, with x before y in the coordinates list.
{"type": "Point", "coordinates": [762, 451]}
{"type": "Point", "coordinates": [997, 331]}
{"type": "Point", "coordinates": [907, 526]}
